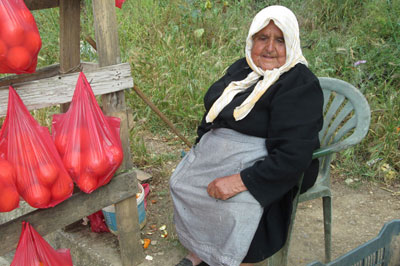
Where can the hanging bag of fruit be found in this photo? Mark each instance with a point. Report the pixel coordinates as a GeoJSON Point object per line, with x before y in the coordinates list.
{"type": "Point", "coordinates": [33, 250]}
{"type": "Point", "coordinates": [19, 38]}
{"type": "Point", "coordinates": [40, 176]}
{"type": "Point", "coordinates": [87, 140]}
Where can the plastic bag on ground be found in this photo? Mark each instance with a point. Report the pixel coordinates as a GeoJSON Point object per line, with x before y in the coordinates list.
{"type": "Point", "coordinates": [87, 140]}
{"type": "Point", "coordinates": [33, 250]}
{"type": "Point", "coordinates": [20, 41]}
{"type": "Point", "coordinates": [40, 176]}
{"type": "Point", "coordinates": [97, 222]}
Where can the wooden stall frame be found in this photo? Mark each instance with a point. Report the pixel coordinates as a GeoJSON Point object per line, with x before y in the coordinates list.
{"type": "Point", "coordinates": [121, 191]}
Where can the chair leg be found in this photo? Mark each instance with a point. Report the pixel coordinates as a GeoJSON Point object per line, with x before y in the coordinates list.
{"type": "Point", "coordinates": [327, 210]}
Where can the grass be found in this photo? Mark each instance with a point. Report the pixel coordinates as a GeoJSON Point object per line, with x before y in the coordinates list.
{"type": "Point", "coordinates": [178, 48]}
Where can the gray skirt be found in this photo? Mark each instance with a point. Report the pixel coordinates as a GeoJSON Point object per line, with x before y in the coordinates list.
{"type": "Point", "coordinates": [217, 231]}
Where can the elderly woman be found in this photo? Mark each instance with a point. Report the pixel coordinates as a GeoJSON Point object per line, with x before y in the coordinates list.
{"type": "Point", "coordinates": [233, 191]}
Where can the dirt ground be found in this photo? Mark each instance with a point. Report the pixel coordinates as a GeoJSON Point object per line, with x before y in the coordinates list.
{"type": "Point", "coordinates": [358, 215]}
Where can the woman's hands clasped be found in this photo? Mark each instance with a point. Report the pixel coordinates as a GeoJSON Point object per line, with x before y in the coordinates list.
{"type": "Point", "coordinates": [226, 187]}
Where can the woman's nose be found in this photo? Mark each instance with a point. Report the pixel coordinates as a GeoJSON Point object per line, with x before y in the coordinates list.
{"type": "Point", "coordinates": [269, 47]}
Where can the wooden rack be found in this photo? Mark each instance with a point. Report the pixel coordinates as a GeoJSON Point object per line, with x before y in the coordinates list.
{"type": "Point", "coordinates": [54, 85]}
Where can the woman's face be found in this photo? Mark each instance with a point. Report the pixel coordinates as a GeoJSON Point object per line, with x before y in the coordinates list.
{"type": "Point", "coordinates": [269, 50]}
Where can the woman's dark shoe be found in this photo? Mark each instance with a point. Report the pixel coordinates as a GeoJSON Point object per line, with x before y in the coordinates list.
{"type": "Point", "coordinates": [187, 262]}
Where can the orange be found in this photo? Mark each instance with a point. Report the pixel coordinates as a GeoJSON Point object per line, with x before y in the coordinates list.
{"type": "Point", "coordinates": [97, 163]}
{"type": "Point", "coordinates": [84, 137]}
{"type": "Point", "coordinates": [18, 58]}
{"type": "Point", "coordinates": [12, 33]}
{"type": "Point", "coordinates": [33, 42]}
{"type": "Point", "coordinates": [47, 173]}
{"type": "Point", "coordinates": [72, 163]}
{"type": "Point", "coordinates": [62, 188]}
{"type": "Point", "coordinates": [87, 182]}
{"type": "Point", "coordinates": [116, 154]}
{"type": "Point", "coordinates": [60, 141]}
{"type": "Point", "coordinates": [9, 198]}
{"type": "Point", "coordinates": [24, 177]}
{"type": "Point", "coordinates": [7, 172]}
{"type": "Point", "coordinates": [38, 196]}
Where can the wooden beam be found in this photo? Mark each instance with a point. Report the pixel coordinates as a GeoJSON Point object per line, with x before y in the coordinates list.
{"type": "Point", "coordinates": [79, 205]}
{"type": "Point", "coordinates": [59, 89]}
{"type": "Point", "coordinates": [41, 4]}
{"type": "Point", "coordinates": [107, 44]}
{"type": "Point", "coordinates": [70, 30]}
{"type": "Point", "coordinates": [44, 72]}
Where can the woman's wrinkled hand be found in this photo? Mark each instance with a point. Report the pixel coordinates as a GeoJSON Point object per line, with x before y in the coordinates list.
{"type": "Point", "coordinates": [226, 187]}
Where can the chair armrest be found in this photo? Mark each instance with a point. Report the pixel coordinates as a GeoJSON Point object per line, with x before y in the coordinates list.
{"type": "Point", "coordinates": [336, 147]}
{"type": "Point", "coordinates": [322, 152]}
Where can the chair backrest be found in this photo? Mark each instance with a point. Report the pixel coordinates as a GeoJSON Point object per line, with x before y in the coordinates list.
{"type": "Point", "coordinates": [346, 119]}
{"type": "Point", "coordinates": [375, 252]}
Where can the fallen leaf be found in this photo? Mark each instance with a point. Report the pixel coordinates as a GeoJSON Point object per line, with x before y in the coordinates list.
{"type": "Point", "coordinates": [146, 243]}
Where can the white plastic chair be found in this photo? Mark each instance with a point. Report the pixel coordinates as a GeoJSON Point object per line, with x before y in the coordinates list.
{"type": "Point", "coordinates": [346, 122]}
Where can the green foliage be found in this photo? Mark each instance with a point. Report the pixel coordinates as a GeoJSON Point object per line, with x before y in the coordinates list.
{"type": "Point", "coordinates": [178, 48]}
{"type": "Point", "coordinates": [49, 33]}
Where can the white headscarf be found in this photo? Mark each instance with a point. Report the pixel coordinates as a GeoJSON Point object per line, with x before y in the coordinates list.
{"type": "Point", "coordinates": [286, 21]}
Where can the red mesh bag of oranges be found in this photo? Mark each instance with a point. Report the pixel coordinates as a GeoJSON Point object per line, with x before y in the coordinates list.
{"type": "Point", "coordinates": [40, 176]}
{"type": "Point", "coordinates": [33, 250]}
{"type": "Point", "coordinates": [20, 41]}
{"type": "Point", "coordinates": [87, 140]}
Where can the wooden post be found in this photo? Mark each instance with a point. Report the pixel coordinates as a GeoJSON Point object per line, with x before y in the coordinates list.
{"type": "Point", "coordinates": [70, 29]}
{"type": "Point", "coordinates": [107, 42]}
{"type": "Point", "coordinates": [106, 31]}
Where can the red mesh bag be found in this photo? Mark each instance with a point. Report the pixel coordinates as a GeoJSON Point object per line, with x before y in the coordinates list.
{"type": "Point", "coordinates": [87, 140]}
{"type": "Point", "coordinates": [33, 250]}
{"type": "Point", "coordinates": [19, 38]}
{"type": "Point", "coordinates": [118, 3]}
{"type": "Point", "coordinates": [40, 176]}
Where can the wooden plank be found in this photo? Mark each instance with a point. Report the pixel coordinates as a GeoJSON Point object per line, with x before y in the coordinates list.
{"type": "Point", "coordinates": [41, 4]}
{"type": "Point", "coordinates": [44, 72]}
{"type": "Point", "coordinates": [107, 44]}
{"type": "Point", "coordinates": [59, 89]}
{"type": "Point", "coordinates": [70, 30]}
{"type": "Point", "coordinates": [76, 207]}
